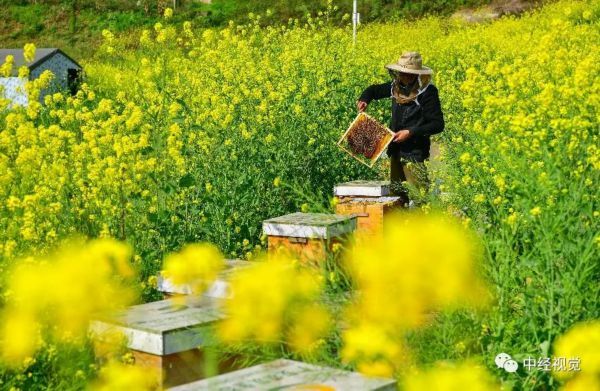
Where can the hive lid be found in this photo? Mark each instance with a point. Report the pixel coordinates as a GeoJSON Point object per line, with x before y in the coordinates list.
{"type": "Point", "coordinates": [161, 327]}
{"type": "Point", "coordinates": [219, 288]}
{"type": "Point", "coordinates": [293, 375]}
{"type": "Point", "coordinates": [310, 225]}
{"type": "Point", "coordinates": [373, 200]}
{"type": "Point", "coordinates": [362, 188]}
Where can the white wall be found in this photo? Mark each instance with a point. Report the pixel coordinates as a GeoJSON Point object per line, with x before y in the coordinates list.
{"type": "Point", "coordinates": [13, 88]}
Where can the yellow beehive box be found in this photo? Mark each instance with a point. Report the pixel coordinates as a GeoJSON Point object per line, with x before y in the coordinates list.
{"type": "Point", "coordinates": [307, 236]}
{"type": "Point", "coordinates": [366, 139]}
{"type": "Point", "coordinates": [369, 201]}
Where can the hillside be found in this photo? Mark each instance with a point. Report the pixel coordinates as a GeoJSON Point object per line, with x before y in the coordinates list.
{"type": "Point", "coordinates": [77, 25]}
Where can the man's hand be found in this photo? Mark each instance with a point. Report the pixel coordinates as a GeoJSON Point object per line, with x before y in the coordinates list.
{"type": "Point", "coordinates": [401, 135]}
{"type": "Point", "coordinates": [361, 105]}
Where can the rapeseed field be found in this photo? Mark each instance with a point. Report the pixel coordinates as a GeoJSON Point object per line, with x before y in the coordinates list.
{"type": "Point", "coordinates": [182, 135]}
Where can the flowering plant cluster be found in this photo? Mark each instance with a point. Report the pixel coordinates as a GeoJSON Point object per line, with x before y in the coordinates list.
{"type": "Point", "coordinates": [182, 135]}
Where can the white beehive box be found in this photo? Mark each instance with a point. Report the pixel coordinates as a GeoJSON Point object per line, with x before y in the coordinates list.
{"type": "Point", "coordinates": [308, 237]}
{"type": "Point", "coordinates": [309, 225]}
{"type": "Point", "coordinates": [290, 375]}
{"type": "Point", "coordinates": [362, 189]}
{"type": "Point", "coordinates": [162, 327]}
{"type": "Point", "coordinates": [220, 288]}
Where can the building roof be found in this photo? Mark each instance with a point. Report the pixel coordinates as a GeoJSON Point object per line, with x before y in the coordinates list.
{"type": "Point", "coordinates": [41, 55]}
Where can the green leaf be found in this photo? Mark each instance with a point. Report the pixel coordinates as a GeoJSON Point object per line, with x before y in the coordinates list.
{"type": "Point", "coordinates": [187, 180]}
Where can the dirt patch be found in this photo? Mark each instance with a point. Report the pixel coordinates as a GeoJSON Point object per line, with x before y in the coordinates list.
{"type": "Point", "coordinates": [495, 10]}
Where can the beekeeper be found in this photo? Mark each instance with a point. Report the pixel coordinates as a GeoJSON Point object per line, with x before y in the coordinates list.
{"type": "Point", "coordinates": [416, 115]}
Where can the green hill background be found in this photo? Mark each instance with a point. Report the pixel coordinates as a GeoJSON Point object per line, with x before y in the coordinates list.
{"type": "Point", "coordinates": [76, 25]}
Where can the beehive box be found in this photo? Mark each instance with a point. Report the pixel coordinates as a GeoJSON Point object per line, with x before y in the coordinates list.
{"type": "Point", "coordinates": [165, 336]}
{"type": "Point", "coordinates": [362, 189]}
{"type": "Point", "coordinates": [291, 375]}
{"type": "Point", "coordinates": [366, 139]}
{"type": "Point", "coordinates": [369, 201]}
{"type": "Point", "coordinates": [219, 288]}
{"type": "Point", "coordinates": [307, 236]}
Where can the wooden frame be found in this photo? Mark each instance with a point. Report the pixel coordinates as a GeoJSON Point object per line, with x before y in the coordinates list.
{"type": "Point", "coordinates": [381, 146]}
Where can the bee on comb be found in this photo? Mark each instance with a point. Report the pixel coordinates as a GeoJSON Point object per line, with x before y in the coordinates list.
{"type": "Point", "coordinates": [366, 139]}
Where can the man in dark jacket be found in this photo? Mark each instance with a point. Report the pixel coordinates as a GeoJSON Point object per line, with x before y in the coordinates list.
{"type": "Point", "coordinates": [416, 115]}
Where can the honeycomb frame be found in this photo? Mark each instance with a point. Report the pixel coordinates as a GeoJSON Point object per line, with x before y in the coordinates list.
{"type": "Point", "coordinates": [376, 148]}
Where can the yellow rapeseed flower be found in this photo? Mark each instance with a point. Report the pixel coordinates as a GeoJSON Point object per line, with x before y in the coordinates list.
{"type": "Point", "coordinates": [310, 323]}
{"type": "Point", "coordinates": [580, 341]}
{"type": "Point", "coordinates": [23, 71]}
{"type": "Point", "coordinates": [449, 378]}
{"type": "Point", "coordinates": [20, 336]}
{"type": "Point", "coordinates": [334, 201]}
{"type": "Point", "coordinates": [512, 219]}
{"type": "Point", "coordinates": [270, 304]}
{"type": "Point", "coordinates": [117, 376]}
{"type": "Point", "coordinates": [6, 66]}
{"type": "Point", "coordinates": [398, 289]}
{"type": "Point", "coordinates": [29, 52]}
{"type": "Point", "coordinates": [152, 281]}
{"type": "Point", "coordinates": [53, 294]}
{"type": "Point", "coordinates": [196, 265]}
{"type": "Point", "coordinates": [465, 157]}
{"type": "Point", "coordinates": [582, 382]}
{"type": "Point", "coordinates": [479, 198]}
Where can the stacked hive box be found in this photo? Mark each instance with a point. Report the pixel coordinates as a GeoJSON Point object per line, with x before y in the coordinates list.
{"type": "Point", "coordinates": [369, 201]}
{"type": "Point", "coordinates": [218, 289]}
{"type": "Point", "coordinates": [307, 236]}
{"type": "Point", "coordinates": [165, 336]}
{"type": "Point", "coordinates": [291, 375]}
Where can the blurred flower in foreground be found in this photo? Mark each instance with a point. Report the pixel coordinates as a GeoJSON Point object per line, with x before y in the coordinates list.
{"type": "Point", "coordinates": [20, 336]}
{"type": "Point", "coordinates": [196, 265]}
{"type": "Point", "coordinates": [57, 295]}
{"type": "Point", "coordinates": [118, 376]}
{"type": "Point", "coordinates": [373, 348]}
{"type": "Point", "coordinates": [463, 377]}
{"type": "Point", "coordinates": [111, 345]}
{"type": "Point", "coordinates": [583, 382]}
{"type": "Point", "coordinates": [580, 342]}
{"type": "Point", "coordinates": [421, 264]}
{"type": "Point", "coordinates": [273, 300]}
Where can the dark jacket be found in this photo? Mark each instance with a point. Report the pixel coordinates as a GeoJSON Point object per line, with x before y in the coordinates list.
{"type": "Point", "coordinates": [422, 117]}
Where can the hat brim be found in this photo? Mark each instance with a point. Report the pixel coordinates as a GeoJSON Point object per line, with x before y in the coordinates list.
{"type": "Point", "coordinates": [423, 71]}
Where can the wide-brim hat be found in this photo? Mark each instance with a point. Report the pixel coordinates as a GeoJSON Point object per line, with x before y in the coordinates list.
{"type": "Point", "coordinates": [410, 62]}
